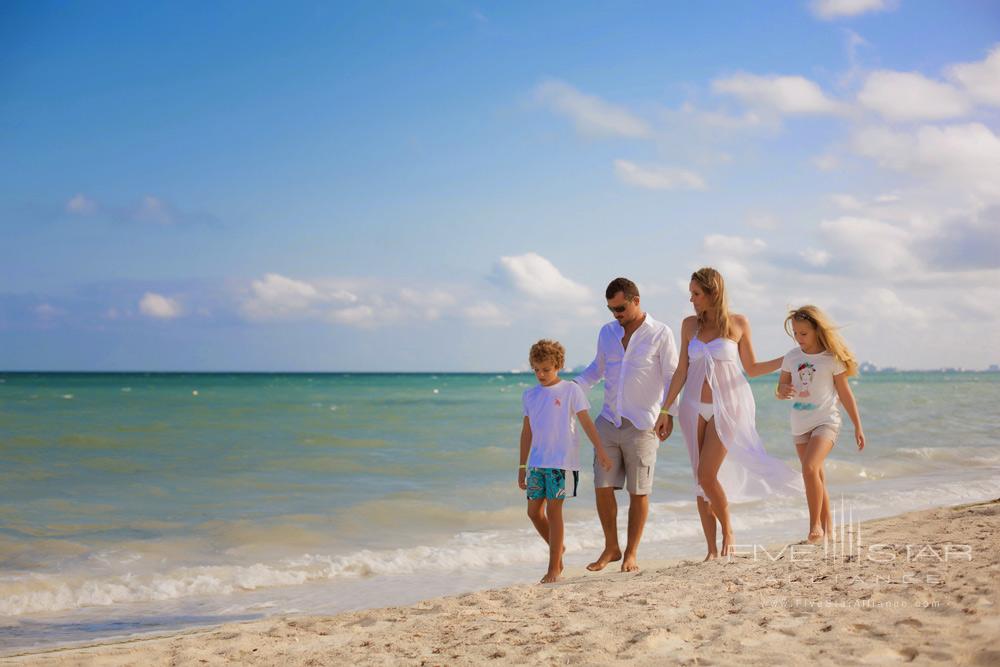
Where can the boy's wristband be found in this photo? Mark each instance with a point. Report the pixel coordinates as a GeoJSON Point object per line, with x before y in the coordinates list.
{"type": "Point", "coordinates": [522, 466]}
{"type": "Point", "coordinates": [664, 411]}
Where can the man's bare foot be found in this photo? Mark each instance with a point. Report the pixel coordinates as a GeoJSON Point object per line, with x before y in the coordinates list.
{"type": "Point", "coordinates": [712, 555]}
{"type": "Point", "coordinates": [815, 537]}
{"type": "Point", "coordinates": [605, 558]}
{"type": "Point", "coordinates": [630, 564]}
{"type": "Point", "coordinates": [551, 577]}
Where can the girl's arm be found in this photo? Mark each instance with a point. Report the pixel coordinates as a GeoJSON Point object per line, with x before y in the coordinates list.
{"type": "Point", "coordinates": [522, 471]}
{"type": "Point", "coordinates": [784, 390]}
{"type": "Point", "coordinates": [591, 431]}
{"type": "Point", "coordinates": [677, 381]}
{"type": "Point", "coordinates": [851, 405]}
{"type": "Point", "coordinates": [753, 367]}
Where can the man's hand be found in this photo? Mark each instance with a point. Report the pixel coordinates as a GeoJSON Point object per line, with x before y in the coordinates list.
{"type": "Point", "coordinates": [521, 482]}
{"type": "Point", "coordinates": [603, 460]}
{"type": "Point", "coordinates": [664, 426]}
{"type": "Point", "coordinates": [784, 391]}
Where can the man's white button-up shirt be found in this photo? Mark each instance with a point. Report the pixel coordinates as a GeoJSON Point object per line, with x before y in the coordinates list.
{"type": "Point", "coordinates": [636, 379]}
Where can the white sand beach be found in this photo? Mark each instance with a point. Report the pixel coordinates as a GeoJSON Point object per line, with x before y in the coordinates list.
{"type": "Point", "coordinates": [921, 587]}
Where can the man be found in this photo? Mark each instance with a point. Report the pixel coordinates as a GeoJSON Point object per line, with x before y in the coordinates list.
{"type": "Point", "coordinates": [636, 357]}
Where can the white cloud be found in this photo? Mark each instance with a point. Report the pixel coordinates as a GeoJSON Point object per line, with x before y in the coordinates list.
{"type": "Point", "coordinates": [278, 296]}
{"type": "Point", "coordinates": [591, 115]}
{"type": "Point", "coordinates": [764, 221]}
{"type": "Point", "coordinates": [964, 157]}
{"type": "Point", "coordinates": [737, 246]}
{"type": "Point", "coordinates": [485, 314]}
{"type": "Point", "coordinates": [904, 96]}
{"type": "Point", "coordinates": [815, 257]}
{"type": "Point", "coordinates": [153, 210]}
{"type": "Point", "coordinates": [159, 306]}
{"type": "Point", "coordinates": [826, 162]}
{"type": "Point", "coordinates": [658, 177]}
{"type": "Point", "coordinates": [829, 10]}
{"type": "Point", "coordinates": [873, 246]}
{"type": "Point", "coordinates": [780, 94]}
{"type": "Point", "coordinates": [981, 80]}
{"type": "Point", "coordinates": [428, 304]}
{"type": "Point", "coordinates": [81, 205]}
{"type": "Point", "coordinates": [356, 316]}
{"type": "Point", "coordinates": [46, 311]}
{"type": "Point", "coordinates": [722, 120]}
{"type": "Point", "coordinates": [536, 277]}
{"type": "Point", "coordinates": [846, 202]}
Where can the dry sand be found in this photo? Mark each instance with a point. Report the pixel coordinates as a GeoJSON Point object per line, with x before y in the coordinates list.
{"type": "Point", "coordinates": [934, 604]}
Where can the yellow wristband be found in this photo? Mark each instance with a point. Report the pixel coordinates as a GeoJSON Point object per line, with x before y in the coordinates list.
{"type": "Point", "coordinates": [522, 466]}
{"type": "Point", "coordinates": [664, 411]}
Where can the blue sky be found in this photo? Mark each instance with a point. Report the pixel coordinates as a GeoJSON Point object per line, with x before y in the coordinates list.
{"type": "Point", "coordinates": [434, 186]}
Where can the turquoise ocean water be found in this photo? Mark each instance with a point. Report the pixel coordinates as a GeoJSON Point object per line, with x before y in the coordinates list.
{"type": "Point", "coordinates": [150, 502]}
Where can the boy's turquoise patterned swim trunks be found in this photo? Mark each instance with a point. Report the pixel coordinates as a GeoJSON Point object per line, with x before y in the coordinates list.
{"type": "Point", "coordinates": [550, 484]}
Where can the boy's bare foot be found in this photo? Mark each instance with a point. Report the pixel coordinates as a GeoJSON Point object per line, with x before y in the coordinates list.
{"type": "Point", "coordinates": [815, 537]}
{"type": "Point", "coordinates": [603, 560]}
{"type": "Point", "coordinates": [630, 564]}
{"type": "Point", "coordinates": [551, 577]}
{"type": "Point", "coordinates": [712, 555]}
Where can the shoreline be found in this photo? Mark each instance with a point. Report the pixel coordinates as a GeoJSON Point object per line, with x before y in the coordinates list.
{"type": "Point", "coordinates": [922, 586]}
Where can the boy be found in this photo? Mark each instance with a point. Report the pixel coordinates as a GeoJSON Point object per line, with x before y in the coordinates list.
{"type": "Point", "coordinates": [549, 433]}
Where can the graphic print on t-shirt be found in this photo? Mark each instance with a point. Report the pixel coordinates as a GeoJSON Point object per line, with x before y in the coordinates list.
{"type": "Point", "coordinates": [805, 371]}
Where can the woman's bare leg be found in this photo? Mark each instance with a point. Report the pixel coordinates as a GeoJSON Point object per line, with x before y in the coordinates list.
{"type": "Point", "coordinates": [704, 509]}
{"type": "Point", "coordinates": [713, 453]}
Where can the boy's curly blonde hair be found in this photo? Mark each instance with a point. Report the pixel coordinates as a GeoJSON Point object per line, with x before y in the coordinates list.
{"type": "Point", "coordinates": [548, 350]}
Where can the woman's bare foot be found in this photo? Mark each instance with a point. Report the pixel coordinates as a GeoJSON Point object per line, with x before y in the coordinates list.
{"type": "Point", "coordinates": [603, 560]}
{"type": "Point", "coordinates": [727, 545]}
{"type": "Point", "coordinates": [551, 577]}
{"type": "Point", "coordinates": [815, 536]}
{"type": "Point", "coordinates": [630, 564]}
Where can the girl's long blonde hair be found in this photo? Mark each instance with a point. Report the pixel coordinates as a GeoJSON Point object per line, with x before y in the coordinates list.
{"type": "Point", "coordinates": [827, 332]}
{"type": "Point", "coordinates": [711, 283]}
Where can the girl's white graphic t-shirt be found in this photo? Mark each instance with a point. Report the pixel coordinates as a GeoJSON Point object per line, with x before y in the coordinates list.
{"type": "Point", "coordinates": [815, 400]}
{"type": "Point", "coordinates": [551, 412]}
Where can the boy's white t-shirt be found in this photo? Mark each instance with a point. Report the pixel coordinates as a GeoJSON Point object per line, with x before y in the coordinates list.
{"type": "Point", "coordinates": [815, 400]}
{"type": "Point", "coordinates": [551, 412]}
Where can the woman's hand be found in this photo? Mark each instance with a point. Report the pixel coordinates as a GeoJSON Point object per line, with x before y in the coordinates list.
{"type": "Point", "coordinates": [784, 392]}
{"type": "Point", "coordinates": [664, 426]}
{"type": "Point", "coordinates": [859, 436]}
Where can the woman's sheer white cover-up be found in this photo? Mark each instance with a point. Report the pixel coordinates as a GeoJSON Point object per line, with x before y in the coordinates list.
{"type": "Point", "coordinates": [748, 472]}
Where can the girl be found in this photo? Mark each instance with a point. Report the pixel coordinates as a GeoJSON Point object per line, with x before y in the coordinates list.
{"type": "Point", "coordinates": [717, 412]}
{"type": "Point", "coordinates": [815, 374]}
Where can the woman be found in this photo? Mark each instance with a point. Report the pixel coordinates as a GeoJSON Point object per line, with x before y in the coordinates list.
{"type": "Point", "coordinates": [717, 411]}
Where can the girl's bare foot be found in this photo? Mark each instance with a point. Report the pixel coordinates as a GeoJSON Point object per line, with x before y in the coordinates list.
{"type": "Point", "coordinates": [815, 536]}
{"type": "Point", "coordinates": [605, 558]}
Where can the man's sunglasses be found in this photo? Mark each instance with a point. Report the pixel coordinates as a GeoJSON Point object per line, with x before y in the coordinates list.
{"type": "Point", "coordinates": [618, 309]}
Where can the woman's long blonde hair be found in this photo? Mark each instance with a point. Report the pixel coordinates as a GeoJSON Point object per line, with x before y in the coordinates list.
{"type": "Point", "coordinates": [711, 283]}
{"type": "Point", "coordinates": [827, 332]}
